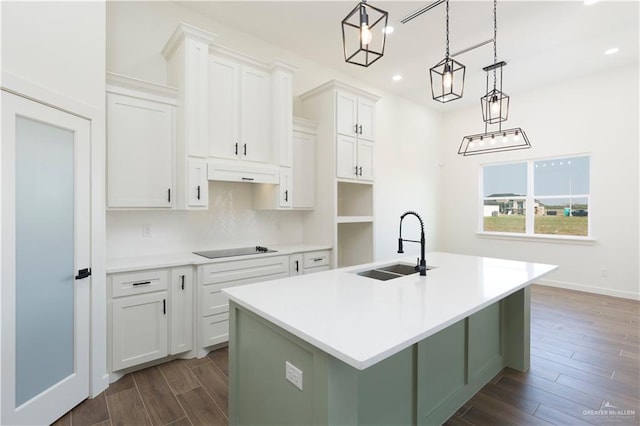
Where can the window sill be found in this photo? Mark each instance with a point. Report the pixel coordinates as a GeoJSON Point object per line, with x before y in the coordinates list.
{"type": "Point", "coordinates": [554, 239]}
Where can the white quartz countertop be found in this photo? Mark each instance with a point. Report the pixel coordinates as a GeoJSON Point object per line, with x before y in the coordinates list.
{"type": "Point", "coordinates": [136, 263]}
{"type": "Point", "coordinates": [362, 321]}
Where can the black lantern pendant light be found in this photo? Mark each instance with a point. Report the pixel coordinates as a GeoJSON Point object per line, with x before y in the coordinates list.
{"type": "Point", "coordinates": [363, 38]}
{"type": "Point", "coordinates": [495, 104]}
{"type": "Point", "coordinates": [447, 76]}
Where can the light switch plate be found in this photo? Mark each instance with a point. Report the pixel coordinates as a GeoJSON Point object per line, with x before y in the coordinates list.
{"type": "Point", "coordinates": [293, 374]}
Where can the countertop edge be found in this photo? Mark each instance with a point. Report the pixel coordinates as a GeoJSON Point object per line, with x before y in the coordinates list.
{"type": "Point", "coordinates": [171, 260]}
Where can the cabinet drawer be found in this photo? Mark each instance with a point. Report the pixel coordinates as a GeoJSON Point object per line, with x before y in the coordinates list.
{"type": "Point", "coordinates": [245, 271]}
{"type": "Point", "coordinates": [138, 282]}
{"type": "Point", "coordinates": [316, 258]}
{"type": "Point", "coordinates": [212, 300]}
{"type": "Point", "coordinates": [215, 329]}
{"type": "Point", "coordinates": [308, 271]}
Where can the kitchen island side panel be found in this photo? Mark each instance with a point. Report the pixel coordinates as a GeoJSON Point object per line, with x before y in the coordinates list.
{"type": "Point", "coordinates": [423, 384]}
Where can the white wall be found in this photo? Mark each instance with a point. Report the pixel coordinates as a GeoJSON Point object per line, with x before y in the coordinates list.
{"type": "Point", "coordinates": [136, 33]}
{"type": "Point", "coordinates": [54, 52]}
{"type": "Point", "coordinates": [597, 114]}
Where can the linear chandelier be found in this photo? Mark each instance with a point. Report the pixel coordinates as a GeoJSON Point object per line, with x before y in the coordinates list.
{"type": "Point", "coordinates": [495, 110]}
{"type": "Point", "coordinates": [363, 35]}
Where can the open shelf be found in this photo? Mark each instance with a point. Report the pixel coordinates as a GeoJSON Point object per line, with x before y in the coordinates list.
{"type": "Point", "coordinates": [354, 219]}
{"type": "Point", "coordinates": [355, 243]}
{"type": "Point", "coordinates": [355, 199]}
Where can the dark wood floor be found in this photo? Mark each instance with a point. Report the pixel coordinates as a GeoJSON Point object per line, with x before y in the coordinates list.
{"type": "Point", "coordinates": [585, 369]}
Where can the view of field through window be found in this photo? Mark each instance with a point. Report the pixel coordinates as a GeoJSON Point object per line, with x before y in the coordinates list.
{"type": "Point", "coordinates": [557, 196]}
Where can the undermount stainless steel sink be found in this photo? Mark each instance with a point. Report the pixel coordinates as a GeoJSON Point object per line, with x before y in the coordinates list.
{"type": "Point", "coordinates": [389, 272]}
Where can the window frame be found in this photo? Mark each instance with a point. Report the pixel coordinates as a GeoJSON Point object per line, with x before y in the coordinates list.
{"type": "Point", "coordinates": [529, 198]}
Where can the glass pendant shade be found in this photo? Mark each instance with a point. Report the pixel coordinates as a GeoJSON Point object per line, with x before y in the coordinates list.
{"type": "Point", "coordinates": [447, 80]}
{"type": "Point", "coordinates": [363, 38]}
{"type": "Point", "coordinates": [495, 107]}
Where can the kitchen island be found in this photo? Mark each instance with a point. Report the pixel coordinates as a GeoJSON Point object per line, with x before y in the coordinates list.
{"type": "Point", "coordinates": [340, 348]}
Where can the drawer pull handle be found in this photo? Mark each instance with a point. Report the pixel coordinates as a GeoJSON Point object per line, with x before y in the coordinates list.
{"type": "Point", "coordinates": [246, 178]}
{"type": "Point", "coordinates": [318, 259]}
{"type": "Point", "coordinates": [142, 283]}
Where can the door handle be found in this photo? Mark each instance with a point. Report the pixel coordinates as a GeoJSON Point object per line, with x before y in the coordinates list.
{"type": "Point", "coordinates": [245, 149]}
{"type": "Point", "coordinates": [297, 266]}
{"type": "Point", "coordinates": [83, 273]}
{"type": "Point", "coordinates": [355, 128]}
{"type": "Point", "coordinates": [360, 128]}
{"type": "Point", "coordinates": [360, 170]}
{"type": "Point", "coordinates": [182, 282]}
{"type": "Point", "coordinates": [236, 148]}
{"type": "Point", "coordinates": [164, 306]}
{"type": "Point", "coordinates": [286, 195]}
{"type": "Point", "coordinates": [356, 170]}
{"type": "Point", "coordinates": [198, 195]}
{"type": "Point", "coordinates": [169, 195]}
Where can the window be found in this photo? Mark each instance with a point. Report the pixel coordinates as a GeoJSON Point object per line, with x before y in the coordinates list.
{"type": "Point", "coordinates": [541, 197]}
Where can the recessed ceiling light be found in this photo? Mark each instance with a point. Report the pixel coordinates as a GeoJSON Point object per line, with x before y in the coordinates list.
{"type": "Point", "coordinates": [611, 51]}
{"type": "Point", "coordinates": [388, 29]}
{"type": "Point", "coordinates": [590, 2]}
{"type": "Point", "coordinates": [396, 77]}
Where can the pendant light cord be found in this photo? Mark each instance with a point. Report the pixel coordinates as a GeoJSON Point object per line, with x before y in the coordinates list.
{"type": "Point", "coordinates": [447, 28]}
{"type": "Point", "coordinates": [495, 40]}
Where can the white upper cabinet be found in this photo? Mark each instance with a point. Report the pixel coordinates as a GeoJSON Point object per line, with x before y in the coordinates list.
{"type": "Point", "coordinates": [355, 115]}
{"type": "Point", "coordinates": [187, 55]}
{"type": "Point", "coordinates": [355, 124]}
{"type": "Point", "coordinates": [224, 108]}
{"type": "Point", "coordinates": [346, 114]}
{"type": "Point", "coordinates": [140, 144]}
{"type": "Point", "coordinates": [304, 163]}
{"type": "Point", "coordinates": [239, 110]}
{"type": "Point", "coordinates": [255, 116]}
{"type": "Point", "coordinates": [197, 187]}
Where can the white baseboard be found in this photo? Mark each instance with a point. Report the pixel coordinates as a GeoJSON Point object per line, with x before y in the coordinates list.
{"type": "Point", "coordinates": [590, 289]}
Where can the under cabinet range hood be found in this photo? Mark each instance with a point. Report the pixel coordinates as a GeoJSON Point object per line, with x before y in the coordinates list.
{"type": "Point", "coordinates": [236, 171]}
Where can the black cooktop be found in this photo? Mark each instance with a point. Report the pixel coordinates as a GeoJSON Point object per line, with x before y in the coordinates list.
{"type": "Point", "coordinates": [214, 254]}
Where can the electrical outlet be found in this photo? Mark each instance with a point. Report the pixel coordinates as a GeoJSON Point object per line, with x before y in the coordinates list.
{"type": "Point", "coordinates": [604, 272]}
{"type": "Point", "coordinates": [293, 374]}
{"type": "Point", "coordinates": [146, 230]}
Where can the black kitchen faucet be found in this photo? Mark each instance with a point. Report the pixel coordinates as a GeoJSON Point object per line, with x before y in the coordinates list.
{"type": "Point", "coordinates": [422, 263]}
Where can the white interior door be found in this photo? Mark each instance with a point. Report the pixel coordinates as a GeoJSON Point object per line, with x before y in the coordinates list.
{"type": "Point", "coordinates": [45, 182]}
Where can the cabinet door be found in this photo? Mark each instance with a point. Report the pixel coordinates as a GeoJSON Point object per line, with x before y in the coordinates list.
{"type": "Point", "coordinates": [140, 135]}
{"type": "Point", "coordinates": [366, 119]}
{"type": "Point", "coordinates": [197, 185]}
{"type": "Point", "coordinates": [255, 113]}
{"type": "Point", "coordinates": [303, 180]}
{"type": "Point", "coordinates": [285, 193]}
{"type": "Point", "coordinates": [296, 266]}
{"type": "Point", "coordinates": [181, 310]}
{"type": "Point", "coordinates": [346, 148]}
{"type": "Point", "coordinates": [365, 160]}
{"type": "Point", "coordinates": [139, 329]}
{"type": "Point", "coordinates": [346, 109]}
{"type": "Point", "coordinates": [224, 108]}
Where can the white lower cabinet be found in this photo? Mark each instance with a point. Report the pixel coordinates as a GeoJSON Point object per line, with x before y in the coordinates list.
{"type": "Point", "coordinates": [139, 329]}
{"type": "Point", "coordinates": [213, 278]}
{"type": "Point", "coordinates": [151, 315]}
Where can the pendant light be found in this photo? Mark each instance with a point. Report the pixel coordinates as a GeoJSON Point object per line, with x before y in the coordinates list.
{"type": "Point", "coordinates": [495, 104]}
{"type": "Point", "coordinates": [364, 35]}
{"type": "Point", "coordinates": [495, 110]}
{"type": "Point", "coordinates": [447, 76]}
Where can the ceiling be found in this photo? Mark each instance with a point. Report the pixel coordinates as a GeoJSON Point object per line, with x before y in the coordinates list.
{"type": "Point", "coordinates": [542, 41]}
